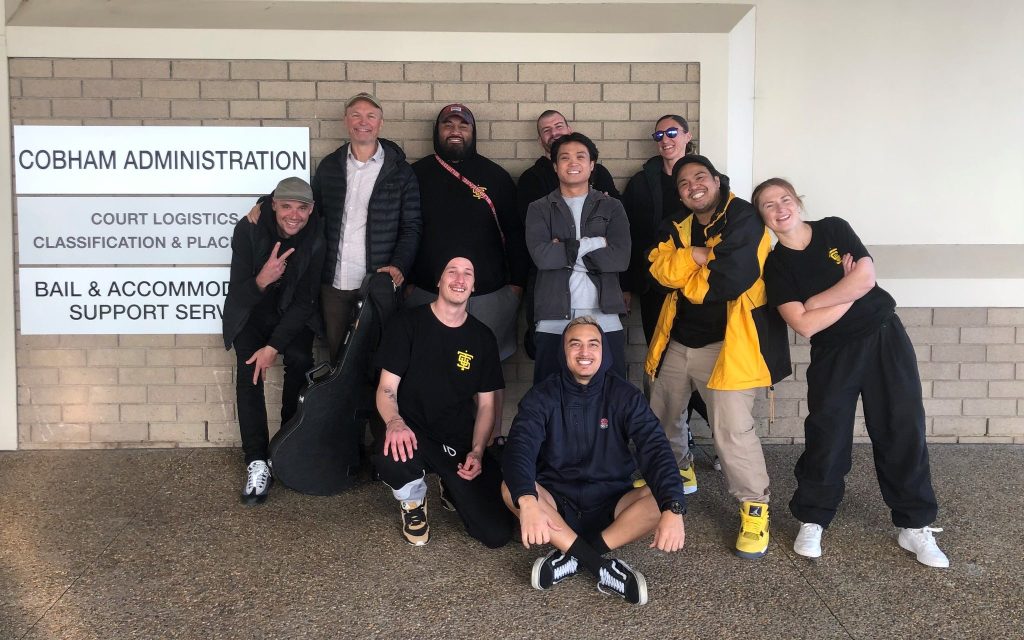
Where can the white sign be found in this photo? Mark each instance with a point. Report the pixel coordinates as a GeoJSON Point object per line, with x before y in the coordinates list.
{"type": "Point", "coordinates": [157, 160]}
{"type": "Point", "coordinates": [129, 301]}
{"type": "Point", "coordinates": [92, 230]}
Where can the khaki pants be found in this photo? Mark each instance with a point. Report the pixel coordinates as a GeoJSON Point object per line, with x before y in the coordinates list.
{"type": "Point", "coordinates": [738, 447]}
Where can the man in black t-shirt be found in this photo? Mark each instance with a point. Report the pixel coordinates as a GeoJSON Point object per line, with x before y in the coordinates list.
{"type": "Point", "coordinates": [440, 372]}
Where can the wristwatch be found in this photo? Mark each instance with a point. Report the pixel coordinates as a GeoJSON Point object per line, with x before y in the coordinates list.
{"type": "Point", "coordinates": [675, 507]}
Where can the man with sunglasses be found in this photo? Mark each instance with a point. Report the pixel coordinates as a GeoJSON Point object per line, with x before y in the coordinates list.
{"type": "Point", "coordinates": [540, 180]}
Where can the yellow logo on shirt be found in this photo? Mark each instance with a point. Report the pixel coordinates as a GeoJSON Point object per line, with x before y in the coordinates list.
{"type": "Point", "coordinates": [463, 360]}
{"type": "Point", "coordinates": [834, 254]}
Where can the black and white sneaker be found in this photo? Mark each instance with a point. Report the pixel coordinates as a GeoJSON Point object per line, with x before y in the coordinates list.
{"type": "Point", "coordinates": [619, 578]}
{"type": "Point", "coordinates": [257, 483]}
{"type": "Point", "coordinates": [552, 569]}
{"type": "Point", "coordinates": [446, 502]}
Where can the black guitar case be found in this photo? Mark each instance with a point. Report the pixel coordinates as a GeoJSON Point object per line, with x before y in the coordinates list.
{"type": "Point", "coordinates": [318, 451]}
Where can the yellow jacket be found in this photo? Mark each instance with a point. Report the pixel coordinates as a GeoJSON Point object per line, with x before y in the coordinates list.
{"type": "Point", "coordinates": [755, 351]}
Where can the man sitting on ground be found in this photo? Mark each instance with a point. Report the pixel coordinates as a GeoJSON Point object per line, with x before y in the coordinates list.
{"type": "Point", "coordinates": [568, 466]}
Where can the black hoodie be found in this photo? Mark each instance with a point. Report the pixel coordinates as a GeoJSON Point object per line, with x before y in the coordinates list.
{"type": "Point", "coordinates": [573, 439]}
{"type": "Point", "coordinates": [455, 222]}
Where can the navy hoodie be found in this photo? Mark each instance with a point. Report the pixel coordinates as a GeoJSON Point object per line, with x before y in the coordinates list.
{"type": "Point", "coordinates": [573, 440]}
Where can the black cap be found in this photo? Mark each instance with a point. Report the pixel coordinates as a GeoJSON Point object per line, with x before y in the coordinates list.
{"type": "Point", "coordinates": [693, 158]}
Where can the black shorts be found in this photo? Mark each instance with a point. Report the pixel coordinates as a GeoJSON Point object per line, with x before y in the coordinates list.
{"type": "Point", "coordinates": [590, 521]}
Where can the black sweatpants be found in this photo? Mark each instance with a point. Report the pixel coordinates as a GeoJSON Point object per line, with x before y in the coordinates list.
{"type": "Point", "coordinates": [882, 369]}
{"type": "Point", "coordinates": [252, 407]}
{"type": "Point", "coordinates": [478, 501]}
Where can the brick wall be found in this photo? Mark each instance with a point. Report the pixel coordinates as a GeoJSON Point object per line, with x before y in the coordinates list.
{"type": "Point", "coordinates": [159, 391]}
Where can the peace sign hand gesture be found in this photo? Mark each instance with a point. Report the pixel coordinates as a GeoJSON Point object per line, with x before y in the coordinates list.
{"type": "Point", "coordinates": [274, 267]}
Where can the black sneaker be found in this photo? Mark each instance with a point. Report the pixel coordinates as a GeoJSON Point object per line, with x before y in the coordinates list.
{"type": "Point", "coordinates": [257, 482]}
{"type": "Point", "coordinates": [619, 578]}
{"type": "Point", "coordinates": [552, 569]}
{"type": "Point", "coordinates": [414, 522]}
{"type": "Point", "coordinates": [446, 502]}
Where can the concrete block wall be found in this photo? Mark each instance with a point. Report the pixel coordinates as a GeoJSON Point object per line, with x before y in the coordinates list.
{"type": "Point", "coordinates": [167, 390]}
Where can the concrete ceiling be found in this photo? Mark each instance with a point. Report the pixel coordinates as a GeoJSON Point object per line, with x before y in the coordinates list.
{"type": "Point", "coordinates": [621, 17]}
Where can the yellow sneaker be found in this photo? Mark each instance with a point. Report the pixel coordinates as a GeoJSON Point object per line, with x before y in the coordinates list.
{"type": "Point", "coordinates": [639, 483]}
{"type": "Point", "coordinates": [753, 539]}
{"type": "Point", "coordinates": [689, 480]}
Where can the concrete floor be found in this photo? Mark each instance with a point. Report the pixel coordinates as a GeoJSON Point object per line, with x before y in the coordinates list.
{"type": "Point", "coordinates": [154, 544]}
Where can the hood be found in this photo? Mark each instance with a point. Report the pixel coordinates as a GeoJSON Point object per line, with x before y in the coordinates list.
{"type": "Point", "coordinates": [568, 380]}
{"type": "Point", "coordinates": [437, 143]}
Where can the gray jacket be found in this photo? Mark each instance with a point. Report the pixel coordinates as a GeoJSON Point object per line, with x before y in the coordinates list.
{"type": "Point", "coordinates": [550, 218]}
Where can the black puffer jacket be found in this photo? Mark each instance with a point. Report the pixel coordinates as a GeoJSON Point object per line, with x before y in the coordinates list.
{"type": "Point", "coordinates": [393, 222]}
{"type": "Point", "coordinates": [393, 216]}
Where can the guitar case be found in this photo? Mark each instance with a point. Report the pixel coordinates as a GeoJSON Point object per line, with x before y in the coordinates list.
{"type": "Point", "coordinates": [318, 451]}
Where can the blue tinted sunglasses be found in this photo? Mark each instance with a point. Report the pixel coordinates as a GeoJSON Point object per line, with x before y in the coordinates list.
{"type": "Point", "coordinates": [671, 132]}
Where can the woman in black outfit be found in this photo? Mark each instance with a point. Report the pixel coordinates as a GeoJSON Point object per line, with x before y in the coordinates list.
{"type": "Point", "coordinates": [822, 280]}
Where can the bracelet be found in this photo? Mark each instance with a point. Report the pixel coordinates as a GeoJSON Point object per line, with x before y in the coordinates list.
{"type": "Point", "coordinates": [388, 423]}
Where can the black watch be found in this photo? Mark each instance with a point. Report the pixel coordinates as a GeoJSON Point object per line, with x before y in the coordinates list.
{"type": "Point", "coordinates": [675, 507]}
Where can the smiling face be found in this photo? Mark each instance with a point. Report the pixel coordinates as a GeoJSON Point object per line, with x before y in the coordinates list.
{"type": "Point", "coordinates": [672, 148]}
{"type": "Point", "coordinates": [573, 165]}
{"type": "Point", "coordinates": [780, 209]}
{"type": "Point", "coordinates": [291, 216]}
{"type": "Point", "coordinates": [457, 280]}
{"type": "Point", "coordinates": [698, 189]}
{"type": "Point", "coordinates": [455, 135]}
{"type": "Point", "coordinates": [551, 128]}
{"type": "Point", "coordinates": [583, 351]}
{"type": "Point", "coordinates": [363, 121]}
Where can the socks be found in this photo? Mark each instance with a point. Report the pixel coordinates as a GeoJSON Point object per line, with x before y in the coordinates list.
{"type": "Point", "coordinates": [587, 555]}
{"type": "Point", "coordinates": [597, 542]}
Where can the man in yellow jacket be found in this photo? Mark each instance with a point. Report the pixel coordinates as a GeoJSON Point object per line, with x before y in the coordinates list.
{"type": "Point", "coordinates": [716, 334]}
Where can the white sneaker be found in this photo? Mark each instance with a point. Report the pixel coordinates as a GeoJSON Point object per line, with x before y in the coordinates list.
{"type": "Point", "coordinates": [257, 483]}
{"type": "Point", "coordinates": [808, 541]}
{"type": "Point", "coordinates": [921, 543]}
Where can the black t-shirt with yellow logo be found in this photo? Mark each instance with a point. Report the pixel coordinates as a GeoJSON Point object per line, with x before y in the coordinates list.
{"type": "Point", "coordinates": [442, 368]}
{"type": "Point", "coordinates": [794, 276]}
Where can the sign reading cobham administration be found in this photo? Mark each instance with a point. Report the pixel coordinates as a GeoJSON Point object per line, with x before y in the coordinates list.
{"type": "Point", "coordinates": [157, 160]}
{"type": "Point", "coordinates": [126, 301]}
{"type": "Point", "coordinates": [121, 197]}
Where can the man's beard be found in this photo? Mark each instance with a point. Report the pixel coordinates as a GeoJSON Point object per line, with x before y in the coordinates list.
{"type": "Point", "coordinates": [454, 152]}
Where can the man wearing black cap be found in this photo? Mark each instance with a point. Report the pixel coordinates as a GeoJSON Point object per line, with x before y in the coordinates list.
{"type": "Point", "coordinates": [439, 377]}
{"type": "Point", "coordinates": [369, 199]}
{"type": "Point", "coordinates": [469, 208]}
{"type": "Point", "coordinates": [716, 333]}
{"type": "Point", "coordinates": [271, 309]}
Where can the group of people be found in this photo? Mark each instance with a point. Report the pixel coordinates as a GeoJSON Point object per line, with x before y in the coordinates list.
{"type": "Point", "coordinates": [591, 462]}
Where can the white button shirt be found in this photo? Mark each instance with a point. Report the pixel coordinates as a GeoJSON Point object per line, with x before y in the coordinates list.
{"type": "Point", "coordinates": [360, 178]}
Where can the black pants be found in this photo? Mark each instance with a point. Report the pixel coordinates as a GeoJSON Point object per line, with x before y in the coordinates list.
{"type": "Point", "coordinates": [549, 350]}
{"type": "Point", "coordinates": [339, 308]}
{"type": "Point", "coordinates": [252, 407]}
{"type": "Point", "coordinates": [882, 369]}
{"type": "Point", "coordinates": [478, 501]}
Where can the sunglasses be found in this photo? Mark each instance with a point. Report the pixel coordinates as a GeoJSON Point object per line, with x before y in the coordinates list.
{"type": "Point", "coordinates": [671, 132]}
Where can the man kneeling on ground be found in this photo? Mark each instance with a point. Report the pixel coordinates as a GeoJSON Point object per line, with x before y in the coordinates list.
{"type": "Point", "coordinates": [439, 374]}
{"type": "Point", "coordinates": [567, 468]}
